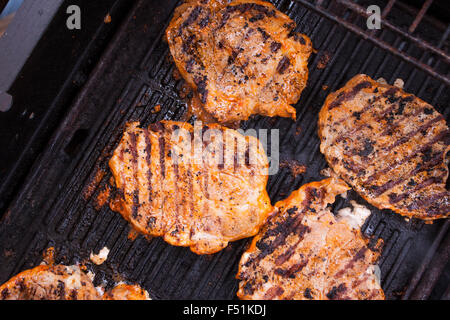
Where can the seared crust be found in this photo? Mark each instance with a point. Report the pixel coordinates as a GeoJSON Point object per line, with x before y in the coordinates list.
{"type": "Point", "coordinates": [304, 253]}
{"type": "Point", "coordinates": [196, 202]}
{"type": "Point", "coordinates": [390, 146]}
{"type": "Point", "coordinates": [242, 57]}
{"type": "Point", "coordinates": [56, 282]}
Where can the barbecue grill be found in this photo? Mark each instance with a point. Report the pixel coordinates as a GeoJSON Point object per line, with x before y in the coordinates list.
{"type": "Point", "coordinates": [52, 179]}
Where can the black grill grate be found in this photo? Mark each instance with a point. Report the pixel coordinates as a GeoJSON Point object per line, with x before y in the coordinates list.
{"type": "Point", "coordinates": [55, 207]}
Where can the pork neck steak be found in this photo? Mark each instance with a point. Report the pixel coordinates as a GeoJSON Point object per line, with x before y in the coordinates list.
{"type": "Point", "coordinates": [240, 57]}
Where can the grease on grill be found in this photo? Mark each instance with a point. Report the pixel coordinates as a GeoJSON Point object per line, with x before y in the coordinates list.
{"type": "Point", "coordinates": [107, 18]}
{"type": "Point", "coordinates": [93, 183]}
{"type": "Point", "coordinates": [102, 198]}
{"type": "Point", "coordinates": [323, 60]}
{"type": "Point", "coordinates": [294, 166]}
{"type": "Point", "coordinates": [132, 234]}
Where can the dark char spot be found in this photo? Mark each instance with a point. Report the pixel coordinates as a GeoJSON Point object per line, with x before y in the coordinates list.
{"type": "Point", "coordinates": [335, 292]}
{"type": "Point", "coordinates": [428, 111]}
{"type": "Point", "coordinates": [307, 293]}
{"type": "Point", "coordinates": [368, 148]}
{"type": "Point", "coordinates": [275, 46]}
{"type": "Point", "coordinates": [283, 65]}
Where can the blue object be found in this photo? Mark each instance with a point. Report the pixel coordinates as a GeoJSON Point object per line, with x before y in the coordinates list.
{"type": "Point", "coordinates": [11, 7]}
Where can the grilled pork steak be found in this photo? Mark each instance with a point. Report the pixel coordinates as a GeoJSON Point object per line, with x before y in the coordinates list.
{"type": "Point", "coordinates": [390, 146]}
{"type": "Point", "coordinates": [173, 186]}
{"type": "Point", "coordinates": [304, 252]}
{"type": "Point", "coordinates": [55, 282]}
{"type": "Point", "coordinates": [241, 57]}
{"type": "Point", "coordinates": [59, 282]}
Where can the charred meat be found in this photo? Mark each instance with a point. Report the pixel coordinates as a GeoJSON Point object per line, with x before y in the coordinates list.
{"type": "Point", "coordinates": [56, 282]}
{"type": "Point", "coordinates": [199, 187]}
{"type": "Point", "coordinates": [59, 282]}
{"type": "Point", "coordinates": [305, 252]}
{"type": "Point", "coordinates": [241, 57]}
{"type": "Point", "coordinates": [390, 146]}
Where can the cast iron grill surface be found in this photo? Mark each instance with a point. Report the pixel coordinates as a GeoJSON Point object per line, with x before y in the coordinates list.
{"type": "Point", "coordinates": [57, 205]}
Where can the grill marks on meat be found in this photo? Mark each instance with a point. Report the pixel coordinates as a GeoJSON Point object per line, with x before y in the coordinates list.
{"type": "Point", "coordinates": [390, 146]}
{"type": "Point", "coordinates": [55, 282]}
{"type": "Point", "coordinates": [59, 282]}
{"type": "Point", "coordinates": [303, 252]}
{"type": "Point", "coordinates": [241, 57]}
{"type": "Point", "coordinates": [171, 185]}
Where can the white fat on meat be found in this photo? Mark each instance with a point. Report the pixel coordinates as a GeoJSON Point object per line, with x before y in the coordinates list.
{"type": "Point", "coordinates": [354, 217]}
{"type": "Point", "coordinates": [101, 257]}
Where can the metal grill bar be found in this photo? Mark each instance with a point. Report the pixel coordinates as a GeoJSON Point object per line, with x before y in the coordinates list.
{"type": "Point", "coordinates": [388, 8]}
{"type": "Point", "coordinates": [426, 262]}
{"type": "Point", "coordinates": [403, 6]}
{"type": "Point", "coordinates": [446, 295]}
{"type": "Point", "coordinates": [419, 16]}
{"type": "Point", "coordinates": [419, 42]}
{"type": "Point", "coordinates": [381, 43]}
